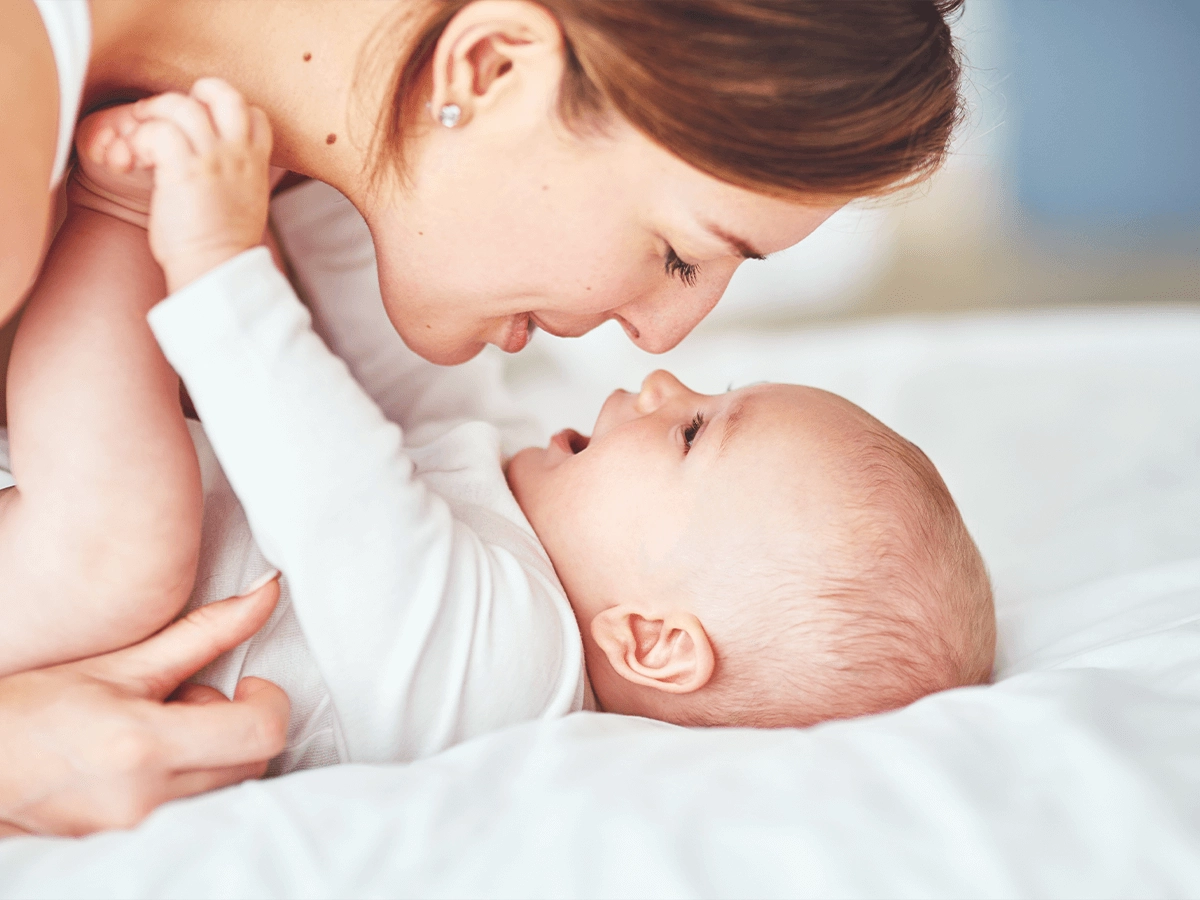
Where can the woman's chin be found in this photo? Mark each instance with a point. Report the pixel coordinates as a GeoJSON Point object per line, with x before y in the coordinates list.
{"type": "Point", "coordinates": [441, 352]}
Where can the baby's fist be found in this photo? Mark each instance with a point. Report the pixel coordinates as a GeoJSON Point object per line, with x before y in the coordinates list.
{"type": "Point", "coordinates": [210, 152]}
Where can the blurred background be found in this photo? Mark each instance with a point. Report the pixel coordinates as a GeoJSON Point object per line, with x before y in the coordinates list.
{"type": "Point", "coordinates": [1075, 181]}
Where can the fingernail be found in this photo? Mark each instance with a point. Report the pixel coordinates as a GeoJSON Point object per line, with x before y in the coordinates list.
{"type": "Point", "coordinates": [265, 579]}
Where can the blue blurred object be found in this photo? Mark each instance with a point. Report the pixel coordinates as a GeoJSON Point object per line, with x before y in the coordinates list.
{"type": "Point", "coordinates": [1106, 100]}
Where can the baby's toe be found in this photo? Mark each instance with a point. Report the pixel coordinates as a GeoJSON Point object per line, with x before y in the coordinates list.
{"type": "Point", "coordinates": [98, 130]}
{"type": "Point", "coordinates": [106, 159]}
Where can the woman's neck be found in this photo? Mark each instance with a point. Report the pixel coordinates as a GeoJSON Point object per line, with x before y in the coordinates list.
{"type": "Point", "coordinates": [299, 61]}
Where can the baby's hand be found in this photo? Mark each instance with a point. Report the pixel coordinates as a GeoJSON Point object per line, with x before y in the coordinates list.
{"type": "Point", "coordinates": [210, 152]}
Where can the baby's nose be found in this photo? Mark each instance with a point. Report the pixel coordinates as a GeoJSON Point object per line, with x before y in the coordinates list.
{"type": "Point", "coordinates": [657, 389]}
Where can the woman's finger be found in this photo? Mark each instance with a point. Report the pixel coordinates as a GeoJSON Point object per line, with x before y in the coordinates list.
{"type": "Point", "coordinates": [196, 694]}
{"type": "Point", "coordinates": [188, 784]}
{"type": "Point", "coordinates": [8, 829]}
{"type": "Point", "coordinates": [226, 107]}
{"type": "Point", "coordinates": [156, 666]}
{"type": "Point", "coordinates": [251, 728]}
{"type": "Point", "coordinates": [187, 113]}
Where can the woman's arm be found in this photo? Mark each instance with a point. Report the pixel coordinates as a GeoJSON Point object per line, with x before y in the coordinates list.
{"type": "Point", "coordinates": [29, 111]}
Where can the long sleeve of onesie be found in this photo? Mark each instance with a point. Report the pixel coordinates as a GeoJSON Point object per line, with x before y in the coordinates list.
{"type": "Point", "coordinates": [429, 624]}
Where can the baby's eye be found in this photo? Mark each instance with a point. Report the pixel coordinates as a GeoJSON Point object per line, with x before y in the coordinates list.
{"type": "Point", "coordinates": [676, 267]}
{"type": "Point", "coordinates": [689, 433]}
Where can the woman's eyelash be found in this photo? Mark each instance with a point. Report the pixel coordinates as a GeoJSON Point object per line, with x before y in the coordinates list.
{"type": "Point", "coordinates": [689, 433]}
{"type": "Point", "coordinates": [676, 267]}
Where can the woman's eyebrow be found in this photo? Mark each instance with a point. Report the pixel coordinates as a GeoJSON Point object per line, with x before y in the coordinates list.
{"type": "Point", "coordinates": [739, 246]}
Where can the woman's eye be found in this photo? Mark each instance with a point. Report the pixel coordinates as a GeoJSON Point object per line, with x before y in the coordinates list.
{"type": "Point", "coordinates": [677, 268]}
{"type": "Point", "coordinates": [689, 432]}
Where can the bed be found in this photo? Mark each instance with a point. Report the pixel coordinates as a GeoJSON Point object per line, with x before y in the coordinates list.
{"type": "Point", "coordinates": [1072, 443]}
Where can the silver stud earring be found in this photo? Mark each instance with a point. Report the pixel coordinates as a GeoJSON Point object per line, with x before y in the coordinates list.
{"type": "Point", "coordinates": [450, 114]}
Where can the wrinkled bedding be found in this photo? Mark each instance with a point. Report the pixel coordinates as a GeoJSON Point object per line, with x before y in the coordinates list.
{"type": "Point", "coordinates": [1072, 443]}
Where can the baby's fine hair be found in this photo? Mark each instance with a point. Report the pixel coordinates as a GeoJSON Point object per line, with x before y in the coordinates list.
{"type": "Point", "coordinates": [896, 606]}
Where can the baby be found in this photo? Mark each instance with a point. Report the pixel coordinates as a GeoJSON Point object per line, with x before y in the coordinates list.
{"type": "Point", "coordinates": [771, 556]}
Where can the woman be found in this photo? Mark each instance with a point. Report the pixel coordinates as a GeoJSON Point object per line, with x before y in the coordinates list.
{"type": "Point", "coordinates": [521, 164]}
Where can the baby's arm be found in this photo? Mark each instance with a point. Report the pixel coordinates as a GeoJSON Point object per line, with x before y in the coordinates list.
{"type": "Point", "coordinates": [328, 490]}
{"type": "Point", "coordinates": [424, 633]}
{"type": "Point", "coordinates": [99, 539]}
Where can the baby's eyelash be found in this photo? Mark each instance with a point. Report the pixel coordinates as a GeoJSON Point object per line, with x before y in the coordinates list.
{"type": "Point", "coordinates": [689, 433]}
{"type": "Point", "coordinates": [676, 267]}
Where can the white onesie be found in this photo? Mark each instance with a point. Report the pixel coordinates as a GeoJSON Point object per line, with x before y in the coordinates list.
{"type": "Point", "coordinates": [420, 609]}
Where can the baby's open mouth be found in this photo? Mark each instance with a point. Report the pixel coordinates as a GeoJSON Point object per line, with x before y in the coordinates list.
{"type": "Point", "coordinates": [577, 442]}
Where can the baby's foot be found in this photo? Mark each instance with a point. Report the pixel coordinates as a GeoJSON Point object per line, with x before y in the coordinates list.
{"type": "Point", "coordinates": [107, 176]}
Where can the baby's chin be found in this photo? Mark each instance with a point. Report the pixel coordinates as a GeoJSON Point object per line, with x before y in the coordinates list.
{"type": "Point", "coordinates": [523, 472]}
{"type": "Point", "coordinates": [529, 469]}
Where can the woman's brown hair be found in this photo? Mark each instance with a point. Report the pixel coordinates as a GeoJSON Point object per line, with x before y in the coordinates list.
{"type": "Point", "coordinates": [794, 98]}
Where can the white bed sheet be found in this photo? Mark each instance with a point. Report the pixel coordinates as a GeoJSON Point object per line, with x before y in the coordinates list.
{"type": "Point", "coordinates": [1072, 442]}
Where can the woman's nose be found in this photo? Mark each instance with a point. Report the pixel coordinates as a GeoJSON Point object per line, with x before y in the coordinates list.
{"type": "Point", "coordinates": [658, 388]}
{"type": "Point", "coordinates": [663, 320]}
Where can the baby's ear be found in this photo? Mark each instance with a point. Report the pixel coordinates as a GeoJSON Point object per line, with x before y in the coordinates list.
{"type": "Point", "coordinates": [671, 654]}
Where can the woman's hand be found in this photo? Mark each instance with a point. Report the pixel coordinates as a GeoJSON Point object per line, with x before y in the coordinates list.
{"type": "Point", "coordinates": [92, 744]}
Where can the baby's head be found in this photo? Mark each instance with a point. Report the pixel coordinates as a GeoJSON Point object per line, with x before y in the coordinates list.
{"type": "Point", "coordinates": [771, 556]}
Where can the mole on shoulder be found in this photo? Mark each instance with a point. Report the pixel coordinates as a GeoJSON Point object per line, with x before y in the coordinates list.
{"type": "Point", "coordinates": [330, 138]}
{"type": "Point", "coordinates": [307, 57]}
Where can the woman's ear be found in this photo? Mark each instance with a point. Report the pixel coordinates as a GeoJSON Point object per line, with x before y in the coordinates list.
{"type": "Point", "coordinates": [496, 53]}
{"type": "Point", "coordinates": [672, 654]}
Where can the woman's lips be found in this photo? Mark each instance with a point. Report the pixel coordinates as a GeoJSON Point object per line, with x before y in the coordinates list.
{"type": "Point", "coordinates": [520, 330]}
{"type": "Point", "coordinates": [630, 330]}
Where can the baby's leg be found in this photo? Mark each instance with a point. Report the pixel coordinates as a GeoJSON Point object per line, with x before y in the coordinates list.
{"type": "Point", "coordinates": [99, 539]}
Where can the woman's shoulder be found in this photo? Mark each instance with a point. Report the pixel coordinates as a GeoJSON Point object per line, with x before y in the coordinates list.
{"type": "Point", "coordinates": [29, 109]}
{"type": "Point", "coordinates": [29, 92]}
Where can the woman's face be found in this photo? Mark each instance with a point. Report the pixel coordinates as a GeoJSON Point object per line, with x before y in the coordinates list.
{"type": "Point", "coordinates": [509, 226]}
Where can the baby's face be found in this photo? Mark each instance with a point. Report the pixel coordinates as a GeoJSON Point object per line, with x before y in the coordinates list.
{"type": "Point", "coordinates": [673, 483]}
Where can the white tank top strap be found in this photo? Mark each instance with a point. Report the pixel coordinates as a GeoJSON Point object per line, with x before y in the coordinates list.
{"type": "Point", "coordinates": [69, 26]}
{"type": "Point", "coordinates": [6, 479]}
